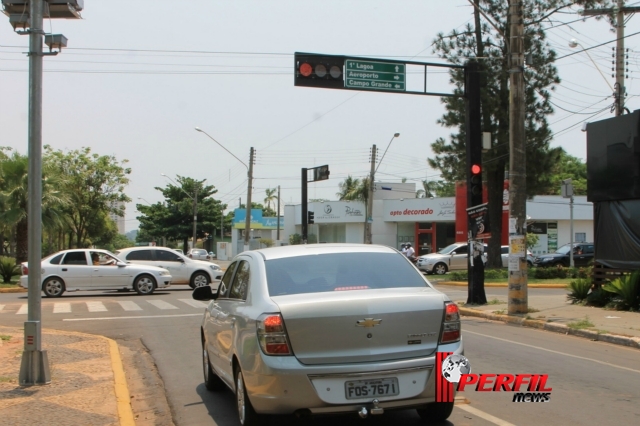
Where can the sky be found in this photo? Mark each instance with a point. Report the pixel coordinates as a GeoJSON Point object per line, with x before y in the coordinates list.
{"type": "Point", "coordinates": [138, 76]}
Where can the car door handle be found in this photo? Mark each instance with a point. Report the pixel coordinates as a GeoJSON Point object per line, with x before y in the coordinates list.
{"type": "Point", "coordinates": [64, 269]}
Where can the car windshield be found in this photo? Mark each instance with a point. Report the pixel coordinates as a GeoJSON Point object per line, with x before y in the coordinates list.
{"type": "Point", "coordinates": [448, 249]}
{"type": "Point", "coordinates": [563, 250]}
{"type": "Point", "coordinates": [340, 271]}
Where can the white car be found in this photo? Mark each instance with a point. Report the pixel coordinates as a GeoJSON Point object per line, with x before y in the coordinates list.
{"type": "Point", "coordinates": [198, 254]}
{"type": "Point", "coordinates": [196, 273]}
{"type": "Point", "coordinates": [94, 269]}
{"type": "Point", "coordinates": [504, 253]}
{"type": "Point", "coordinates": [451, 258]}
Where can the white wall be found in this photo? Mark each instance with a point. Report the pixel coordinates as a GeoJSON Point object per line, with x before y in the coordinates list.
{"type": "Point", "coordinates": [382, 232]}
{"type": "Point", "coordinates": [354, 233]}
{"type": "Point", "coordinates": [564, 228]}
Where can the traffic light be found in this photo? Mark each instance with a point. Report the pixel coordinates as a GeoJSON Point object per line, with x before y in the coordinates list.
{"type": "Point", "coordinates": [320, 173]}
{"type": "Point", "coordinates": [475, 184]}
{"type": "Point", "coordinates": [310, 217]}
{"type": "Point", "coordinates": [313, 70]}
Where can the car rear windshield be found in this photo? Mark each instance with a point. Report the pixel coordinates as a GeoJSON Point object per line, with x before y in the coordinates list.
{"type": "Point", "coordinates": [340, 271]}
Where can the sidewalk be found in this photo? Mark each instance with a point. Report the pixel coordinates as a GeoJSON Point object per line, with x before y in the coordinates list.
{"type": "Point", "coordinates": [88, 385]}
{"type": "Point", "coordinates": [553, 312]}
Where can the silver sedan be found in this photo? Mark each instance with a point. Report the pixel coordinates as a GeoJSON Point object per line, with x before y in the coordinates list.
{"type": "Point", "coordinates": [327, 328]}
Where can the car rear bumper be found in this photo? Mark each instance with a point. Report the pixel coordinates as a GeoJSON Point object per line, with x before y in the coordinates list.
{"type": "Point", "coordinates": [281, 385]}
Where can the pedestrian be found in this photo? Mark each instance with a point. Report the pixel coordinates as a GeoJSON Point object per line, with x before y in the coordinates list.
{"type": "Point", "coordinates": [409, 252]}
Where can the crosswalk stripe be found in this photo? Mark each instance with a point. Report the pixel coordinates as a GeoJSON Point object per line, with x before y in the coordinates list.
{"type": "Point", "coordinates": [24, 309]}
{"type": "Point", "coordinates": [61, 308]}
{"type": "Point", "coordinates": [194, 303]}
{"type": "Point", "coordinates": [96, 307]}
{"type": "Point", "coordinates": [161, 304]}
{"type": "Point", "coordinates": [130, 306]}
{"type": "Point", "coordinates": [1, 307]}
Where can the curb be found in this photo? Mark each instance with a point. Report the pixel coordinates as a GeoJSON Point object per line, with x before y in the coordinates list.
{"type": "Point", "coordinates": [505, 285]}
{"type": "Point", "coordinates": [13, 290]}
{"type": "Point", "coordinates": [632, 342]}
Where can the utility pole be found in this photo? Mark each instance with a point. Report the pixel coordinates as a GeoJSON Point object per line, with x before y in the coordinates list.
{"type": "Point", "coordinates": [619, 10]}
{"type": "Point", "coordinates": [369, 223]}
{"type": "Point", "coordinates": [517, 301]}
{"type": "Point", "coordinates": [278, 216]}
{"type": "Point", "coordinates": [567, 192]}
{"type": "Point", "coordinates": [195, 217]}
{"type": "Point", "coordinates": [247, 222]}
{"type": "Point", "coordinates": [34, 368]}
{"type": "Point", "coordinates": [304, 207]}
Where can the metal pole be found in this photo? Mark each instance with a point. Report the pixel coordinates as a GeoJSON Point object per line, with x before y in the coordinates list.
{"type": "Point", "coordinates": [34, 369]}
{"type": "Point", "coordinates": [195, 217]}
{"type": "Point", "coordinates": [278, 216]}
{"type": "Point", "coordinates": [517, 300]}
{"type": "Point", "coordinates": [620, 89]}
{"type": "Point", "coordinates": [369, 215]}
{"type": "Point", "coordinates": [247, 222]}
{"type": "Point", "coordinates": [571, 230]}
{"type": "Point", "coordinates": [304, 206]}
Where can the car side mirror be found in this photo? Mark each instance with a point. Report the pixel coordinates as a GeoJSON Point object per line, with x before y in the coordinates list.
{"type": "Point", "coordinates": [203, 293]}
{"type": "Point", "coordinates": [453, 253]}
{"type": "Point", "coordinates": [179, 259]}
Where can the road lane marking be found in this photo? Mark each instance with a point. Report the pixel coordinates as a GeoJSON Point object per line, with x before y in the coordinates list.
{"type": "Point", "coordinates": [24, 309]}
{"type": "Point", "coordinates": [486, 416]}
{"type": "Point", "coordinates": [161, 304]}
{"type": "Point", "coordinates": [61, 308]}
{"type": "Point", "coordinates": [555, 352]}
{"type": "Point", "coordinates": [194, 303]}
{"type": "Point", "coordinates": [96, 307]}
{"type": "Point", "coordinates": [130, 306]}
{"type": "Point", "coordinates": [1, 308]}
{"type": "Point", "coordinates": [134, 317]}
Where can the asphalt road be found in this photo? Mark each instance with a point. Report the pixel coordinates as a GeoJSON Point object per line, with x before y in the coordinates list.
{"type": "Point", "coordinates": [593, 382]}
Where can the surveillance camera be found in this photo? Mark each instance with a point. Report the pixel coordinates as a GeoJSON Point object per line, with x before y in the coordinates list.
{"type": "Point", "coordinates": [584, 127]}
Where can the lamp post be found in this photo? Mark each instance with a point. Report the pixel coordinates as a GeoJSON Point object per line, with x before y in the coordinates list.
{"type": "Point", "coordinates": [369, 223]}
{"type": "Point", "coordinates": [567, 192]}
{"type": "Point", "coordinates": [573, 44]}
{"type": "Point", "coordinates": [140, 198]}
{"type": "Point", "coordinates": [247, 223]}
{"type": "Point", "coordinates": [195, 207]}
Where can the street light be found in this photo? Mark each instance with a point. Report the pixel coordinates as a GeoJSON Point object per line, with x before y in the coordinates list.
{"type": "Point", "coordinates": [140, 198]}
{"type": "Point", "coordinates": [247, 222]}
{"type": "Point", "coordinates": [573, 43]}
{"type": "Point", "coordinates": [368, 225]}
{"type": "Point", "coordinates": [195, 206]}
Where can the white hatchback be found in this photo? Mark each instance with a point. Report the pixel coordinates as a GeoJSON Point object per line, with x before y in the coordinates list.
{"type": "Point", "coordinates": [196, 273]}
{"type": "Point", "coordinates": [94, 269]}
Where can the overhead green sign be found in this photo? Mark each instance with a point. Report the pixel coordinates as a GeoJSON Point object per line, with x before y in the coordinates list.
{"type": "Point", "coordinates": [371, 75]}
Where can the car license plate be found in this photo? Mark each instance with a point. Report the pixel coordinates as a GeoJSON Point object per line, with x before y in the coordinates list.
{"type": "Point", "coordinates": [355, 389]}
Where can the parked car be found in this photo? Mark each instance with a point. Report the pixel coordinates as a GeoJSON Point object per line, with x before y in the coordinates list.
{"type": "Point", "coordinates": [93, 269]}
{"type": "Point", "coordinates": [198, 254]}
{"type": "Point", "coordinates": [382, 324]}
{"type": "Point", "coordinates": [451, 258]}
{"type": "Point", "coordinates": [184, 270]}
{"type": "Point", "coordinates": [504, 253]}
{"type": "Point", "coordinates": [582, 254]}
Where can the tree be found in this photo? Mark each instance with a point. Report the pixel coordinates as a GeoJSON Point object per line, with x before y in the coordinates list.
{"type": "Point", "coordinates": [355, 190]}
{"type": "Point", "coordinates": [487, 39]}
{"type": "Point", "coordinates": [95, 186]}
{"type": "Point", "coordinates": [569, 167]}
{"type": "Point", "coordinates": [271, 197]}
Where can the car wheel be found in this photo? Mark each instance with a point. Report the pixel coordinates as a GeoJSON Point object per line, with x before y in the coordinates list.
{"type": "Point", "coordinates": [211, 379]}
{"type": "Point", "coordinates": [199, 279]}
{"type": "Point", "coordinates": [53, 287]}
{"type": "Point", "coordinates": [246, 413]}
{"type": "Point", "coordinates": [144, 284]}
{"type": "Point", "coordinates": [440, 269]}
{"type": "Point", "coordinates": [435, 412]}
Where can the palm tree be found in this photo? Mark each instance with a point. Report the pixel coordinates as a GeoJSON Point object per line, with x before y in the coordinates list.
{"type": "Point", "coordinates": [270, 198]}
{"type": "Point", "coordinates": [348, 189]}
{"type": "Point", "coordinates": [14, 194]}
{"type": "Point", "coordinates": [426, 191]}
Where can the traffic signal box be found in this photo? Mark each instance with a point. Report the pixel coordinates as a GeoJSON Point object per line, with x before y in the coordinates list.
{"type": "Point", "coordinates": [310, 218]}
{"type": "Point", "coordinates": [323, 71]}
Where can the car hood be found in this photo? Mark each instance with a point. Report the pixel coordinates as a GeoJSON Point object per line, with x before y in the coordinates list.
{"type": "Point", "coordinates": [405, 323]}
{"type": "Point", "coordinates": [551, 256]}
{"type": "Point", "coordinates": [435, 256]}
{"type": "Point", "coordinates": [202, 263]}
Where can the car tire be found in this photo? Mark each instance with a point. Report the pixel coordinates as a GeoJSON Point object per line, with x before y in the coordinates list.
{"type": "Point", "coordinates": [211, 380]}
{"type": "Point", "coordinates": [440, 269]}
{"type": "Point", "coordinates": [435, 412]}
{"type": "Point", "coordinates": [144, 285]}
{"type": "Point", "coordinates": [200, 279]}
{"type": "Point", "coordinates": [53, 287]}
{"type": "Point", "coordinates": [246, 413]}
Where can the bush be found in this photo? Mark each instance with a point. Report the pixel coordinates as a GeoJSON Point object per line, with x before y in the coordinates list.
{"type": "Point", "coordinates": [8, 268]}
{"type": "Point", "coordinates": [599, 298]}
{"type": "Point", "coordinates": [267, 242]}
{"type": "Point", "coordinates": [557, 272]}
{"type": "Point", "coordinates": [627, 290]}
{"type": "Point", "coordinates": [295, 239]}
{"type": "Point", "coordinates": [578, 290]}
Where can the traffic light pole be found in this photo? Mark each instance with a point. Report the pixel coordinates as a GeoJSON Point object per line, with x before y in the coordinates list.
{"type": "Point", "coordinates": [304, 206]}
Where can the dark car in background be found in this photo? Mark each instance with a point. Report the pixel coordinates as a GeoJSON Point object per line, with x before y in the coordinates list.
{"type": "Point", "coordinates": [582, 254]}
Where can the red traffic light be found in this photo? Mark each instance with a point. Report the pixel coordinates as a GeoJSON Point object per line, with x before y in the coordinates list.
{"type": "Point", "coordinates": [306, 69]}
{"type": "Point", "coordinates": [476, 169]}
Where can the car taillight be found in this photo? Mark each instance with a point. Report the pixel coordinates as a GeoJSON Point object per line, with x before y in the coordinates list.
{"type": "Point", "coordinates": [272, 335]}
{"type": "Point", "coordinates": [451, 324]}
{"type": "Point", "coordinates": [25, 270]}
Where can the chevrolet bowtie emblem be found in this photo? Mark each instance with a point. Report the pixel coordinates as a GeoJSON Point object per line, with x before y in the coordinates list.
{"type": "Point", "coordinates": [368, 322]}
